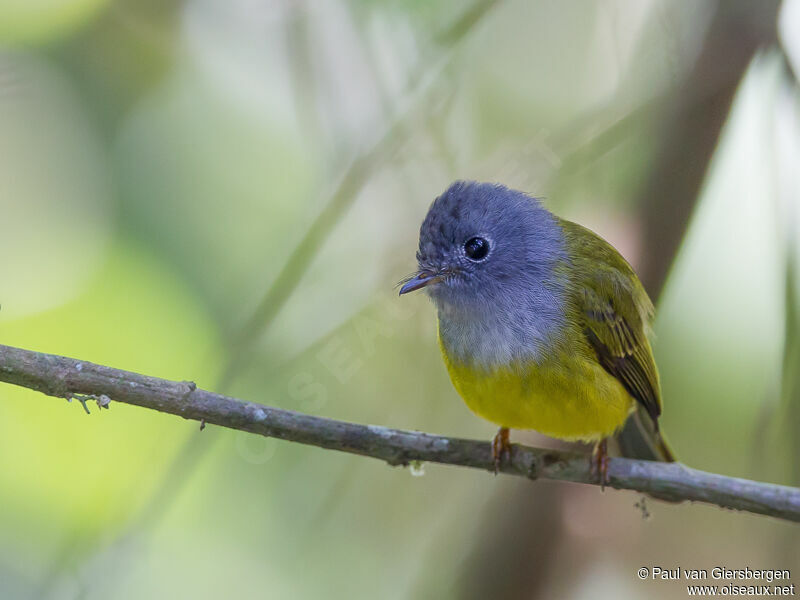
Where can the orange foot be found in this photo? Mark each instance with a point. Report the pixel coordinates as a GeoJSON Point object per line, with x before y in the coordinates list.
{"type": "Point", "coordinates": [600, 462]}
{"type": "Point", "coordinates": [501, 446]}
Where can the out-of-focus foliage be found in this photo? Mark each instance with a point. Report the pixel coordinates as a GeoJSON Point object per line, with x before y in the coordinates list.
{"type": "Point", "coordinates": [160, 161]}
{"type": "Point", "coordinates": [725, 299]}
{"type": "Point", "coordinates": [55, 189]}
{"type": "Point", "coordinates": [39, 21]}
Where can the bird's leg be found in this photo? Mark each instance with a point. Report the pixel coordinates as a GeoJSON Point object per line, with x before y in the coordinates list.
{"type": "Point", "coordinates": [600, 462]}
{"type": "Point", "coordinates": [501, 446]}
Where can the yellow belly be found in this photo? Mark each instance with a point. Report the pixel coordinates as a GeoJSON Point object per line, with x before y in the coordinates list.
{"type": "Point", "coordinates": [570, 397]}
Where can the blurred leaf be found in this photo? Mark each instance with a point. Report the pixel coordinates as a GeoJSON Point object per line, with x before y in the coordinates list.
{"type": "Point", "coordinates": [720, 320]}
{"type": "Point", "coordinates": [54, 189]}
{"type": "Point", "coordinates": [67, 474]}
{"type": "Point", "coordinates": [217, 192]}
{"type": "Point", "coordinates": [38, 21]}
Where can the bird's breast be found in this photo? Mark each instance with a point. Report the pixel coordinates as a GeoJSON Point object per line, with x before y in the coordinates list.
{"type": "Point", "coordinates": [493, 336]}
{"type": "Point", "coordinates": [532, 378]}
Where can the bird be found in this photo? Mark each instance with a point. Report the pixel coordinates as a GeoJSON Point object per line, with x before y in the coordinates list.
{"type": "Point", "coordinates": [542, 324]}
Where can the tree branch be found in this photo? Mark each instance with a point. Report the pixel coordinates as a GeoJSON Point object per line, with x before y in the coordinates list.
{"type": "Point", "coordinates": [67, 378]}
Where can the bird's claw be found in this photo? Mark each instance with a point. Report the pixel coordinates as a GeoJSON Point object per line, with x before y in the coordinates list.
{"type": "Point", "coordinates": [600, 463]}
{"type": "Point", "coordinates": [501, 446]}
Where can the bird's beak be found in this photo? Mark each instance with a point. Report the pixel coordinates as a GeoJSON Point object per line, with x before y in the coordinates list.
{"type": "Point", "coordinates": [422, 279]}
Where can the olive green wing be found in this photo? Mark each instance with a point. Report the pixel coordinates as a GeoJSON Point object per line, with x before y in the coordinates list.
{"type": "Point", "coordinates": [616, 313]}
{"type": "Point", "coordinates": [622, 350]}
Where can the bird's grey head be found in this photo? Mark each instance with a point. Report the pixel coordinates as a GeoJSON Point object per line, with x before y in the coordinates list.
{"type": "Point", "coordinates": [480, 241]}
{"type": "Point", "coordinates": [487, 257]}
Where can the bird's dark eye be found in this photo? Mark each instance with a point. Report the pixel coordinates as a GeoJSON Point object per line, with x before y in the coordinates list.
{"type": "Point", "coordinates": [476, 248]}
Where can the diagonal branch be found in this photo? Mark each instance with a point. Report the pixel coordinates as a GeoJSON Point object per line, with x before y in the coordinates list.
{"type": "Point", "coordinates": [66, 378]}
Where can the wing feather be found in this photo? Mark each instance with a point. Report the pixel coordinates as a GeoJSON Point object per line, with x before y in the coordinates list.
{"type": "Point", "coordinates": [622, 349]}
{"type": "Point", "coordinates": [616, 314]}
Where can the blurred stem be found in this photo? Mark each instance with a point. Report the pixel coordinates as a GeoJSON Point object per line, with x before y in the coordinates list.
{"type": "Point", "coordinates": [342, 198]}
{"type": "Point", "coordinates": [301, 68]}
{"type": "Point", "coordinates": [790, 380]}
{"type": "Point", "coordinates": [783, 149]}
{"type": "Point", "coordinates": [517, 546]}
{"type": "Point", "coordinates": [301, 257]}
{"type": "Point", "coordinates": [63, 377]}
{"type": "Point", "coordinates": [690, 132]}
{"type": "Point", "coordinates": [785, 167]}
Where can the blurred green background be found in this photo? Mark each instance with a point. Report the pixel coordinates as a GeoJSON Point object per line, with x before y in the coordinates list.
{"type": "Point", "coordinates": [160, 162]}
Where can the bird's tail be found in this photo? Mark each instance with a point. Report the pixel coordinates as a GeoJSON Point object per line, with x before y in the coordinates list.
{"type": "Point", "coordinates": [640, 439]}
